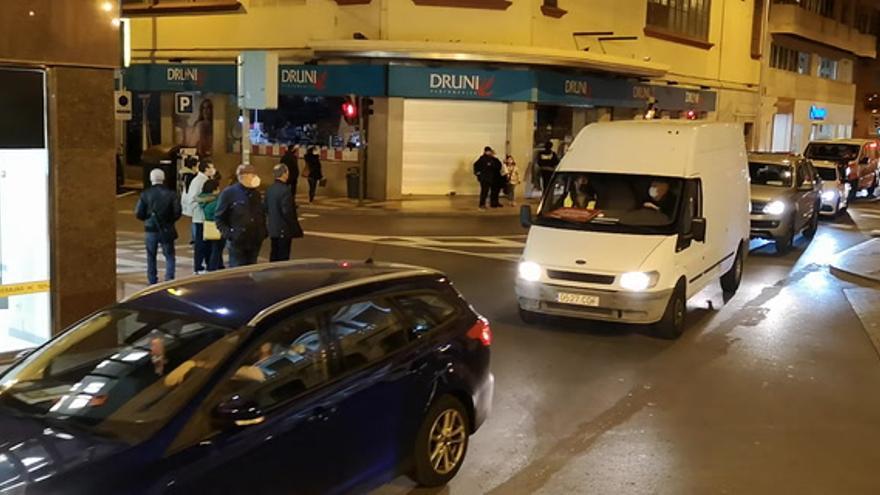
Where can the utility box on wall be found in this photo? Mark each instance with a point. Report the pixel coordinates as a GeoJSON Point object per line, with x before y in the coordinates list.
{"type": "Point", "coordinates": [258, 80]}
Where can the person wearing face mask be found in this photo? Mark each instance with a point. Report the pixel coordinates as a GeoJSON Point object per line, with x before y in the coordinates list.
{"type": "Point", "coordinates": [241, 218]}
{"type": "Point", "coordinates": [191, 208]}
{"type": "Point", "coordinates": [660, 198]}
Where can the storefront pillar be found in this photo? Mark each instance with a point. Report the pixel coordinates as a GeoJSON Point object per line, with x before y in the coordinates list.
{"type": "Point", "coordinates": [521, 137]}
{"type": "Point", "coordinates": [385, 145]}
{"type": "Point", "coordinates": [82, 185]}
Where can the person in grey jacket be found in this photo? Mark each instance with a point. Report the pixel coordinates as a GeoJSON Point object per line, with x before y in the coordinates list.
{"type": "Point", "coordinates": [159, 209]}
{"type": "Point", "coordinates": [281, 213]}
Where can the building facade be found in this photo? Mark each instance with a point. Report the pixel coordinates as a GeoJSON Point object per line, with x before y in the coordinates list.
{"type": "Point", "coordinates": [808, 83]}
{"type": "Point", "coordinates": [445, 77]}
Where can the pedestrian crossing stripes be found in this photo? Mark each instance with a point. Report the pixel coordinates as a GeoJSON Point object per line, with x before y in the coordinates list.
{"type": "Point", "coordinates": [506, 248]}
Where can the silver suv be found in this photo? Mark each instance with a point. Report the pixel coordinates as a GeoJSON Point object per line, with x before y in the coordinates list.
{"type": "Point", "coordinates": [786, 198]}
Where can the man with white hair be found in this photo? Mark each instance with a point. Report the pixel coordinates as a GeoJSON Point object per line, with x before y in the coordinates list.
{"type": "Point", "coordinates": [159, 209]}
{"type": "Point", "coordinates": [241, 218]}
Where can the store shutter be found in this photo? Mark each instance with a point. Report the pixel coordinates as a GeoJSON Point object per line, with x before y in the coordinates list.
{"type": "Point", "coordinates": [443, 138]}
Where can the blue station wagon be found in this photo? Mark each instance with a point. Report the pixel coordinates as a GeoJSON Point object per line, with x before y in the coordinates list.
{"type": "Point", "coordinates": [303, 377]}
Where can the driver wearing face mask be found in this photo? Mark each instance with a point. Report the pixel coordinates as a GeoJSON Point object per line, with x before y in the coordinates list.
{"type": "Point", "coordinates": [660, 198]}
{"type": "Point", "coordinates": [241, 218]}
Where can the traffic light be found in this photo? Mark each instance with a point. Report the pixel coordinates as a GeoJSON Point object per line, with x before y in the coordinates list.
{"type": "Point", "coordinates": [367, 106]}
{"type": "Point", "coordinates": [350, 110]}
{"type": "Point", "coordinates": [691, 115]}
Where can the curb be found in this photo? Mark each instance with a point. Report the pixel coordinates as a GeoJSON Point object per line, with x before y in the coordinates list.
{"type": "Point", "coordinates": [838, 269]}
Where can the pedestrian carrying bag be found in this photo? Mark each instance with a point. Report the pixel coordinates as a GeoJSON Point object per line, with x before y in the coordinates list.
{"type": "Point", "coordinates": [210, 232]}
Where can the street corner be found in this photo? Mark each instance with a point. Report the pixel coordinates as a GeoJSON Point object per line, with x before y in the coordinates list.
{"type": "Point", "coordinates": [861, 261]}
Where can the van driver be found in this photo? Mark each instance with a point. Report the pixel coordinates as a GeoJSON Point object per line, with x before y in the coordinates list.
{"type": "Point", "coordinates": [660, 198]}
{"type": "Point", "coordinates": [581, 194]}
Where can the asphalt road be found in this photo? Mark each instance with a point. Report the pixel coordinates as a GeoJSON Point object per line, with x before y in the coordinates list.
{"type": "Point", "coordinates": [774, 391]}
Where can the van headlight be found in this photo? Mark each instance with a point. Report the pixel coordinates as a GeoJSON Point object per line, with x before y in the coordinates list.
{"type": "Point", "coordinates": [639, 281]}
{"type": "Point", "coordinates": [529, 271]}
{"type": "Point", "coordinates": [828, 196]}
{"type": "Point", "coordinates": [775, 208]}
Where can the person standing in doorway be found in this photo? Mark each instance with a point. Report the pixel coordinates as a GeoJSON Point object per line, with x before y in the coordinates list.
{"type": "Point", "coordinates": [192, 209]}
{"type": "Point", "coordinates": [281, 213]}
{"type": "Point", "coordinates": [159, 209]}
{"type": "Point", "coordinates": [511, 175]}
{"type": "Point", "coordinates": [291, 160]}
{"type": "Point", "coordinates": [313, 169]}
{"type": "Point", "coordinates": [241, 219]}
{"type": "Point", "coordinates": [547, 162]}
{"type": "Point", "coordinates": [487, 169]}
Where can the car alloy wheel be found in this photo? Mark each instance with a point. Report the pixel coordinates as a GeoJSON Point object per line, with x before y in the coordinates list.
{"type": "Point", "coordinates": [447, 442]}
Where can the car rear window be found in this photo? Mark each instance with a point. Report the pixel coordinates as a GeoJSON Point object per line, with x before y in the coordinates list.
{"type": "Point", "coordinates": [426, 310]}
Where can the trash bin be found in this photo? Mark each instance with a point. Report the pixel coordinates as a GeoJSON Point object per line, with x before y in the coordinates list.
{"type": "Point", "coordinates": [162, 156]}
{"type": "Point", "coordinates": [353, 181]}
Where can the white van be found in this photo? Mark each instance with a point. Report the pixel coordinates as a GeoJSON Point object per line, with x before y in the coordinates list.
{"type": "Point", "coordinates": [639, 216]}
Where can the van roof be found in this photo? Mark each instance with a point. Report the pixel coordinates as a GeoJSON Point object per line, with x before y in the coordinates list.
{"type": "Point", "coordinates": [672, 148]}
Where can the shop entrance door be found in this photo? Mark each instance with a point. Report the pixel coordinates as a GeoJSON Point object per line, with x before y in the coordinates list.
{"type": "Point", "coordinates": [24, 211]}
{"type": "Point", "coordinates": [443, 138]}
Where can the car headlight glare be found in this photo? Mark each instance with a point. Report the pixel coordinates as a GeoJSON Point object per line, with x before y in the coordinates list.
{"type": "Point", "coordinates": [775, 208]}
{"type": "Point", "coordinates": [529, 271]}
{"type": "Point", "coordinates": [828, 195]}
{"type": "Point", "coordinates": [639, 281]}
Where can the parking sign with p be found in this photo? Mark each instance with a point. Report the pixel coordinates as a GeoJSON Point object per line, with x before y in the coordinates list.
{"type": "Point", "coordinates": [183, 103]}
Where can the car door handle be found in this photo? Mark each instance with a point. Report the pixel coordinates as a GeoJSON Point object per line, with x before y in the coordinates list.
{"type": "Point", "coordinates": [444, 348]}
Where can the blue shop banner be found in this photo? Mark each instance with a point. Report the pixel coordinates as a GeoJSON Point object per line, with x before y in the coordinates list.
{"type": "Point", "coordinates": [460, 83]}
{"type": "Point", "coordinates": [181, 77]}
{"type": "Point", "coordinates": [331, 80]}
{"type": "Point", "coordinates": [582, 90]}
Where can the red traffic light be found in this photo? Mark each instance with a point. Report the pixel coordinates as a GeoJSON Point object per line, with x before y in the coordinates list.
{"type": "Point", "coordinates": [349, 110]}
{"type": "Point", "coordinates": [691, 115]}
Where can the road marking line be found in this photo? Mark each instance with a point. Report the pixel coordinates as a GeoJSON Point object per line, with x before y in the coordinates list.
{"type": "Point", "coordinates": [407, 242]}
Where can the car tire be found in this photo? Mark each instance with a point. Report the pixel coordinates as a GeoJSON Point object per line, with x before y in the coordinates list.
{"type": "Point", "coordinates": [671, 326]}
{"type": "Point", "coordinates": [784, 243]}
{"type": "Point", "coordinates": [872, 188]}
{"type": "Point", "coordinates": [814, 225]}
{"type": "Point", "coordinates": [446, 418]}
{"type": "Point", "coordinates": [529, 317]}
{"type": "Point", "coordinates": [837, 209]}
{"type": "Point", "coordinates": [730, 281]}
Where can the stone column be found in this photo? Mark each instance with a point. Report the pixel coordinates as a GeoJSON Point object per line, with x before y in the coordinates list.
{"type": "Point", "coordinates": [82, 182]}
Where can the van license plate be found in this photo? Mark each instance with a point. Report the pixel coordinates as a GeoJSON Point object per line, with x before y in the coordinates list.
{"type": "Point", "coordinates": [577, 299]}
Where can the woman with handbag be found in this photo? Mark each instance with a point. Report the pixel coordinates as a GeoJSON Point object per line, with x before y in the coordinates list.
{"type": "Point", "coordinates": [312, 171]}
{"type": "Point", "coordinates": [213, 239]}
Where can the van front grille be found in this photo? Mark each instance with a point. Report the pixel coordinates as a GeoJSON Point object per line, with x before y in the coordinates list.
{"type": "Point", "coordinates": [587, 278]}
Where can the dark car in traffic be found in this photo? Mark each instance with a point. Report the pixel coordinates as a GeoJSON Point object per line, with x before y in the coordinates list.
{"type": "Point", "coordinates": [303, 377]}
{"type": "Point", "coordinates": [786, 198]}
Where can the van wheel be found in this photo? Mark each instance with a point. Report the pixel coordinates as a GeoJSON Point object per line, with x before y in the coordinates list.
{"type": "Point", "coordinates": [873, 187]}
{"type": "Point", "coordinates": [730, 281]}
{"type": "Point", "coordinates": [441, 443]}
{"type": "Point", "coordinates": [529, 317]}
{"type": "Point", "coordinates": [814, 225]}
{"type": "Point", "coordinates": [671, 326]}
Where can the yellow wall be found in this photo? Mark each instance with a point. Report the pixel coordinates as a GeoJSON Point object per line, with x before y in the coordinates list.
{"type": "Point", "coordinates": [292, 24]}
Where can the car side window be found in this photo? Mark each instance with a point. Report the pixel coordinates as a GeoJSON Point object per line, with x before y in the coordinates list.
{"type": "Point", "coordinates": [425, 311]}
{"type": "Point", "coordinates": [290, 360]}
{"type": "Point", "coordinates": [366, 331]}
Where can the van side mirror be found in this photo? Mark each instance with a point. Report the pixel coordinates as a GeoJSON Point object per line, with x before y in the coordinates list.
{"type": "Point", "coordinates": [238, 411]}
{"type": "Point", "coordinates": [525, 216]}
{"type": "Point", "coordinates": [698, 229]}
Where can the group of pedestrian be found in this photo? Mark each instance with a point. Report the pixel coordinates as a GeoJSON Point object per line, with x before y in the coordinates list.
{"type": "Point", "coordinates": [237, 219]}
{"type": "Point", "coordinates": [311, 171]}
{"type": "Point", "coordinates": [495, 177]}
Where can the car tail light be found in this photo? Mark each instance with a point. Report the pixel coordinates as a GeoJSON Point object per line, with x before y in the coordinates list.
{"type": "Point", "coordinates": [481, 331]}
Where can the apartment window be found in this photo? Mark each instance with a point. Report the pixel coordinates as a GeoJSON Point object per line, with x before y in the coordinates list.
{"type": "Point", "coordinates": [785, 58]}
{"type": "Point", "coordinates": [827, 68]}
{"type": "Point", "coordinates": [686, 18]}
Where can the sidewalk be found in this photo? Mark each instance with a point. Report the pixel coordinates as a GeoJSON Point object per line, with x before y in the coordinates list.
{"type": "Point", "coordinates": [414, 205]}
{"type": "Point", "coordinates": [861, 260]}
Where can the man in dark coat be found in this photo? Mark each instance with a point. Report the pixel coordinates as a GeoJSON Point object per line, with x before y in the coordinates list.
{"type": "Point", "coordinates": [283, 225]}
{"type": "Point", "coordinates": [159, 209]}
{"type": "Point", "coordinates": [241, 219]}
{"type": "Point", "coordinates": [487, 169]}
{"type": "Point", "coordinates": [547, 161]}
{"type": "Point", "coordinates": [291, 159]}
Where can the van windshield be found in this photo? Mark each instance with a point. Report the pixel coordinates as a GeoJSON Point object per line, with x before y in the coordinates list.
{"type": "Point", "coordinates": [834, 152]}
{"type": "Point", "coordinates": [625, 203]}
